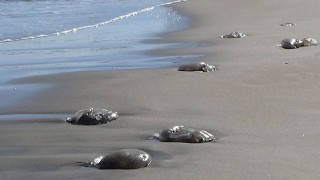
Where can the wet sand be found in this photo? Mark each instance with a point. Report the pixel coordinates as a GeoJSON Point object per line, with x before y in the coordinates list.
{"type": "Point", "coordinates": [262, 103]}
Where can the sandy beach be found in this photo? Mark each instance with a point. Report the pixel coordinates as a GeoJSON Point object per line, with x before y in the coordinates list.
{"type": "Point", "coordinates": [262, 103]}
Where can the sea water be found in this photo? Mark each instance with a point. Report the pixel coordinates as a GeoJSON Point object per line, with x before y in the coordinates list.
{"type": "Point", "coordinates": [39, 37]}
{"type": "Point", "coordinates": [51, 36]}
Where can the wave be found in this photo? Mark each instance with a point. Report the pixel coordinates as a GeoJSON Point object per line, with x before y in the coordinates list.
{"type": "Point", "coordinates": [104, 23]}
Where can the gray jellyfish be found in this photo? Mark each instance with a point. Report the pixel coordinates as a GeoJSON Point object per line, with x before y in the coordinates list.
{"type": "Point", "coordinates": [92, 116]}
{"type": "Point", "coordinates": [296, 43]}
{"type": "Point", "coordinates": [201, 66]}
{"type": "Point", "coordinates": [288, 24]}
{"type": "Point", "coordinates": [122, 159]}
{"type": "Point", "coordinates": [236, 34]}
{"type": "Point", "coordinates": [184, 134]}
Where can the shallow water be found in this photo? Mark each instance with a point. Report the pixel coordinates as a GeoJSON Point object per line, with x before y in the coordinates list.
{"type": "Point", "coordinates": [27, 19]}
{"type": "Point", "coordinates": [40, 37]}
{"type": "Point", "coordinates": [51, 36]}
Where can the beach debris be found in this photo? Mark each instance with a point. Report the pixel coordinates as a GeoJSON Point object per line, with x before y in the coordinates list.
{"type": "Point", "coordinates": [288, 24]}
{"type": "Point", "coordinates": [236, 34]}
{"type": "Point", "coordinates": [296, 43]}
{"type": "Point", "coordinates": [184, 134]}
{"type": "Point", "coordinates": [200, 66]}
{"type": "Point", "coordinates": [121, 159]}
{"type": "Point", "coordinates": [92, 116]}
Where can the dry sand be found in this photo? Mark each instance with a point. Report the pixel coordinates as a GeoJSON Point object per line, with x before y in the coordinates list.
{"type": "Point", "coordinates": [263, 103]}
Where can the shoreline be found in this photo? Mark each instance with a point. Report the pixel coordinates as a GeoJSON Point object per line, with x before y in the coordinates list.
{"type": "Point", "coordinates": [108, 47]}
{"type": "Point", "coordinates": [12, 92]}
{"type": "Point", "coordinates": [264, 111]}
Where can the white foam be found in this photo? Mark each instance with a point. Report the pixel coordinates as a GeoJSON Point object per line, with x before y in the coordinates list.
{"type": "Point", "coordinates": [74, 30]}
{"type": "Point", "coordinates": [33, 37]}
{"type": "Point", "coordinates": [6, 40]}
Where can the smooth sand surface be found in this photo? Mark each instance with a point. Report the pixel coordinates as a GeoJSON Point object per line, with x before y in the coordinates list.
{"type": "Point", "coordinates": [262, 103]}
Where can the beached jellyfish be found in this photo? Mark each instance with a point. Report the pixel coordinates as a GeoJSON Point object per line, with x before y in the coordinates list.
{"type": "Point", "coordinates": [296, 43]}
{"type": "Point", "coordinates": [236, 34]}
{"type": "Point", "coordinates": [184, 134]}
{"type": "Point", "coordinates": [122, 159]}
{"type": "Point", "coordinates": [200, 66]}
{"type": "Point", "coordinates": [288, 24]}
{"type": "Point", "coordinates": [92, 116]}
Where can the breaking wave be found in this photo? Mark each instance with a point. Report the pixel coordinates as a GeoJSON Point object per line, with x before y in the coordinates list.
{"type": "Point", "coordinates": [104, 23]}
